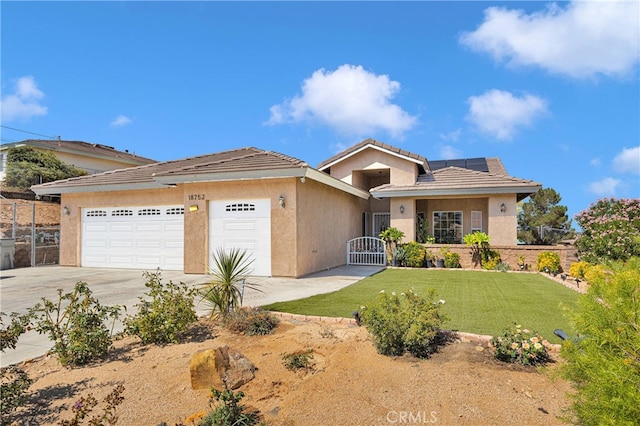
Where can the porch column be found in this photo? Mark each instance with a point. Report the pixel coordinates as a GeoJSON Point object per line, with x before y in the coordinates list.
{"type": "Point", "coordinates": [403, 217]}
{"type": "Point", "coordinates": [503, 224]}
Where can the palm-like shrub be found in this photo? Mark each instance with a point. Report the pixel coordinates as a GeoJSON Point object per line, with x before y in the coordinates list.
{"type": "Point", "coordinates": [230, 270]}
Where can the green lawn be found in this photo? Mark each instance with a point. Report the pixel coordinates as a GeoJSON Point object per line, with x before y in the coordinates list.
{"type": "Point", "coordinates": [476, 302]}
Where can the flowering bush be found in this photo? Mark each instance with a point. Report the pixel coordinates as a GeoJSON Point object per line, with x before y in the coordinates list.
{"type": "Point", "coordinates": [548, 261]}
{"type": "Point", "coordinates": [414, 255]}
{"type": "Point", "coordinates": [579, 269]}
{"type": "Point", "coordinates": [251, 321]}
{"type": "Point", "coordinates": [403, 323]}
{"type": "Point", "coordinates": [610, 230]}
{"type": "Point", "coordinates": [521, 345]}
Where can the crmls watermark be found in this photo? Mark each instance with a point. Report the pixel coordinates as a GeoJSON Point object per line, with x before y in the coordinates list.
{"type": "Point", "coordinates": [412, 417]}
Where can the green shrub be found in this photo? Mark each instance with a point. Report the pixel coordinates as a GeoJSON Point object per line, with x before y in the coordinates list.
{"type": "Point", "coordinates": [9, 335]}
{"type": "Point", "coordinates": [604, 363]}
{"type": "Point", "coordinates": [403, 323]}
{"type": "Point", "coordinates": [548, 261]}
{"type": "Point", "coordinates": [168, 314]}
{"type": "Point", "coordinates": [229, 411]}
{"type": "Point", "coordinates": [85, 405]}
{"type": "Point", "coordinates": [230, 270]}
{"type": "Point", "coordinates": [479, 243]}
{"type": "Point", "coordinates": [297, 360]}
{"type": "Point", "coordinates": [518, 345]}
{"type": "Point", "coordinates": [251, 321]}
{"type": "Point", "coordinates": [14, 384]}
{"type": "Point", "coordinates": [578, 269]}
{"type": "Point", "coordinates": [451, 260]}
{"type": "Point", "coordinates": [76, 323]}
{"type": "Point", "coordinates": [414, 254]}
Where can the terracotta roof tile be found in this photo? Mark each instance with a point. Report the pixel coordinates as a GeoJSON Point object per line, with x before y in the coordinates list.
{"type": "Point", "coordinates": [236, 160]}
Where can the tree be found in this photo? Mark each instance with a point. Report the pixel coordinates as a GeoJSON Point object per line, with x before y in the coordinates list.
{"type": "Point", "coordinates": [27, 166]}
{"type": "Point", "coordinates": [610, 230]}
{"type": "Point", "coordinates": [542, 221]}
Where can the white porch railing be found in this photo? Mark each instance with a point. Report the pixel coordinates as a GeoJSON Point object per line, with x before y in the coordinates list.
{"type": "Point", "coordinates": [366, 251]}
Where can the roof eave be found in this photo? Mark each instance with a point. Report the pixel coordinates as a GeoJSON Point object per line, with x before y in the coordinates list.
{"type": "Point", "coordinates": [56, 190]}
{"type": "Point", "coordinates": [413, 193]}
{"type": "Point", "coordinates": [326, 179]}
{"type": "Point", "coordinates": [225, 176]}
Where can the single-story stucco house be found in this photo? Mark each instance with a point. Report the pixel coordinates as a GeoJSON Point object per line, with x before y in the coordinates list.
{"type": "Point", "coordinates": [292, 218]}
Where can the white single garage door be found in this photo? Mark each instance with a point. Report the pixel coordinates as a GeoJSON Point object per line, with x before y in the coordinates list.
{"type": "Point", "coordinates": [147, 237]}
{"type": "Point", "coordinates": [243, 224]}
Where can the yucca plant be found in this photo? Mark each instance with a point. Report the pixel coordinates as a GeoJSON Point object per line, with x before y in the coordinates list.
{"type": "Point", "coordinates": [230, 270]}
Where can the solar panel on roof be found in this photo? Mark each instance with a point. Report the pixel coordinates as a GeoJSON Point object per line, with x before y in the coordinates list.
{"type": "Point", "coordinates": [437, 165]}
{"type": "Point", "coordinates": [478, 164]}
{"type": "Point", "coordinates": [457, 163]}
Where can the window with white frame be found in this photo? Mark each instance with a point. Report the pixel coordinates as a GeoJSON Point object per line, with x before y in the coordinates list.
{"type": "Point", "coordinates": [447, 227]}
{"type": "Point", "coordinates": [476, 221]}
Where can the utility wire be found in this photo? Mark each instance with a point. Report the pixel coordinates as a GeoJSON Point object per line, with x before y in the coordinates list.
{"type": "Point", "coordinates": [24, 131]}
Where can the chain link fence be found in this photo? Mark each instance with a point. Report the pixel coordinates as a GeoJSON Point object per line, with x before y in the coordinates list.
{"type": "Point", "coordinates": [34, 243]}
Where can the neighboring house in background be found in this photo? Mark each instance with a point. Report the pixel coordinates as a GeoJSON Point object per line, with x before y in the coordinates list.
{"type": "Point", "coordinates": [292, 218]}
{"type": "Point", "coordinates": [94, 158]}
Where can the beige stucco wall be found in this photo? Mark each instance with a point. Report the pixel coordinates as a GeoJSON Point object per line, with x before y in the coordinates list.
{"type": "Point", "coordinates": [307, 235]}
{"type": "Point", "coordinates": [403, 172]}
{"type": "Point", "coordinates": [327, 218]}
{"type": "Point", "coordinates": [501, 227]}
{"type": "Point", "coordinates": [71, 225]}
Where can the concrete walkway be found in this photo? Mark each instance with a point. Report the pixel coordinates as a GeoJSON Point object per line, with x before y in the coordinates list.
{"type": "Point", "coordinates": [22, 288]}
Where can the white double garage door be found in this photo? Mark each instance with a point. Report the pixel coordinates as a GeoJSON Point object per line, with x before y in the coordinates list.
{"type": "Point", "coordinates": [153, 237]}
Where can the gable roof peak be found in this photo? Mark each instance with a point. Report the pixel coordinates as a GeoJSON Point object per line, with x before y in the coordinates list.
{"type": "Point", "coordinates": [375, 144]}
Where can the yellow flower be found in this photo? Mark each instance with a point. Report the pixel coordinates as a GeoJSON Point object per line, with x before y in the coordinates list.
{"type": "Point", "coordinates": [192, 418]}
{"type": "Point", "coordinates": [525, 345]}
{"type": "Point", "coordinates": [514, 345]}
{"type": "Point", "coordinates": [627, 361]}
{"type": "Point", "coordinates": [534, 339]}
{"type": "Point", "coordinates": [537, 345]}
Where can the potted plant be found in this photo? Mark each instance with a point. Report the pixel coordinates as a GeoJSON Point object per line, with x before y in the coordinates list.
{"type": "Point", "coordinates": [431, 259]}
{"type": "Point", "coordinates": [521, 264]}
{"type": "Point", "coordinates": [392, 237]}
{"type": "Point", "coordinates": [440, 257]}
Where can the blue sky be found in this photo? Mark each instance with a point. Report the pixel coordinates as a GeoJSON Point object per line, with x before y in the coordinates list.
{"type": "Point", "coordinates": [550, 88]}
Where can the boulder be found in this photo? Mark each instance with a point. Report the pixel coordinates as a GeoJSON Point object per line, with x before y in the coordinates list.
{"type": "Point", "coordinates": [220, 366]}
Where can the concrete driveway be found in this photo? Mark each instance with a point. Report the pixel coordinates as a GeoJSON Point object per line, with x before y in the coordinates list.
{"type": "Point", "coordinates": [22, 288]}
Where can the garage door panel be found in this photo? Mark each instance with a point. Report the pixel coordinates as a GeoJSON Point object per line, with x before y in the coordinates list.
{"type": "Point", "coordinates": [133, 237]}
{"type": "Point", "coordinates": [245, 225]}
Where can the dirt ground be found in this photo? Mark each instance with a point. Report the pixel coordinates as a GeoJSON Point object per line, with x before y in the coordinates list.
{"type": "Point", "coordinates": [350, 384]}
{"type": "Point", "coordinates": [47, 213]}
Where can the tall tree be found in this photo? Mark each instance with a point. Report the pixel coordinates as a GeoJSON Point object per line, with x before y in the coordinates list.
{"type": "Point", "coordinates": [27, 166]}
{"type": "Point", "coordinates": [542, 221]}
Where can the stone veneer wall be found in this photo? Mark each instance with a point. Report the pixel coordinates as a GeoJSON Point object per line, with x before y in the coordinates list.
{"type": "Point", "coordinates": [509, 254]}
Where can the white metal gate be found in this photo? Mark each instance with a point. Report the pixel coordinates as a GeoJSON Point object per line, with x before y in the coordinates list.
{"type": "Point", "coordinates": [366, 251]}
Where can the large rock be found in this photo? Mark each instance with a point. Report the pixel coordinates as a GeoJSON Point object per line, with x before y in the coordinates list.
{"type": "Point", "coordinates": [215, 367]}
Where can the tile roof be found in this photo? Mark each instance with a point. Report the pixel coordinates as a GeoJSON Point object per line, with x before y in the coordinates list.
{"type": "Point", "coordinates": [457, 180]}
{"type": "Point", "coordinates": [86, 148]}
{"type": "Point", "coordinates": [237, 160]}
{"type": "Point", "coordinates": [378, 144]}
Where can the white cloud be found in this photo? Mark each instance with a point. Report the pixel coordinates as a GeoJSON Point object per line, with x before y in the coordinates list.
{"type": "Point", "coordinates": [350, 99]}
{"type": "Point", "coordinates": [448, 152]}
{"type": "Point", "coordinates": [596, 162]}
{"type": "Point", "coordinates": [605, 187]}
{"type": "Point", "coordinates": [24, 102]}
{"type": "Point", "coordinates": [121, 120]}
{"type": "Point", "coordinates": [584, 39]}
{"type": "Point", "coordinates": [628, 161]}
{"type": "Point", "coordinates": [500, 113]}
{"type": "Point", "coordinates": [451, 136]}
